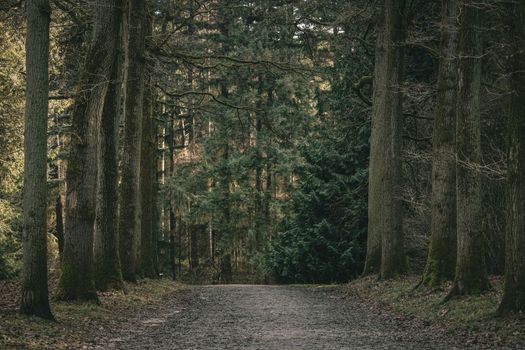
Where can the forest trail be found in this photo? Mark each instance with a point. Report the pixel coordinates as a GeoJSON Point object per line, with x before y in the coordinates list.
{"type": "Point", "coordinates": [272, 317]}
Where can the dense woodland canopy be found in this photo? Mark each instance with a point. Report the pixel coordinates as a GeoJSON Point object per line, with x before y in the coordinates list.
{"type": "Point", "coordinates": [290, 141]}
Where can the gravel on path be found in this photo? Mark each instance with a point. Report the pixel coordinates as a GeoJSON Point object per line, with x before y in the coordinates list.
{"type": "Point", "coordinates": [273, 317]}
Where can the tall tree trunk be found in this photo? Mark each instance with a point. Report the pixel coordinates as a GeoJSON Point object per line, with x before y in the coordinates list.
{"type": "Point", "coordinates": [59, 202]}
{"type": "Point", "coordinates": [129, 215]}
{"type": "Point", "coordinates": [59, 226]}
{"type": "Point", "coordinates": [147, 185]}
{"type": "Point", "coordinates": [385, 252]}
{"type": "Point", "coordinates": [173, 217]}
{"type": "Point", "coordinates": [35, 299]}
{"type": "Point", "coordinates": [514, 291]}
{"type": "Point", "coordinates": [108, 274]}
{"type": "Point", "coordinates": [441, 261]}
{"type": "Point", "coordinates": [268, 188]}
{"type": "Point", "coordinates": [225, 255]}
{"type": "Point", "coordinates": [258, 222]}
{"type": "Point", "coordinates": [156, 210]}
{"type": "Point", "coordinates": [77, 279]}
{"type": "Point", "coordinates": [471, 275]}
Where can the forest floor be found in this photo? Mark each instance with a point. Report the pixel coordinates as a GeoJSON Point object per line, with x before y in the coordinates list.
{"type": "Point", "coordinates": [80, 325]}
{"type": "Point", "coordinates": [471, 319]}
{"type": "Point", "coordinates": [165, 315]}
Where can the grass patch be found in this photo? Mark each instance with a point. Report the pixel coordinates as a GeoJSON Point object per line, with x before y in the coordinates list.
{"type": "Point", "coordinates": [471, 314]}
{"type": "Point", "coordinates": [81, 323]}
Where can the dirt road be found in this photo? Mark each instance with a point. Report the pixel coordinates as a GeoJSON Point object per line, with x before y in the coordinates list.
{"type": "Point", "coordinates": [272, 317]}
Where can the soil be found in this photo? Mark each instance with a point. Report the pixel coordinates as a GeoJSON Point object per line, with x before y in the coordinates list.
{"type": "Point", "coordinates": [273, 317]}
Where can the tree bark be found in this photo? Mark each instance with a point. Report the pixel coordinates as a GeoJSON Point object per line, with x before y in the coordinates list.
{"type": "Point", "coordinates": [108, 274]}
{"type": "Point", "coordinates": [258, 203]}
{"type": "Point", "coordinates": [59, 227]}
{"type": "Point", "coordinates": [385, 252]}
{"type": "Point", "coordinates": [77, 278]}
{"type": "Point", "coordinates": [441, 261]}
{"type": "Point", "coordinates": [514, 290]}
{"type": "Point", "coordinates": [171, 206]}
{"type": "Point", "coordinates": [129, 215]}
{"type": "Point", "coordinates": [35, 300]}
{"type": "Point", "coordinates": [147, 186]}
{"type": "Point", "coordinates": [471, 275]}
{"type": "Point", "coordinates": [226, 230]}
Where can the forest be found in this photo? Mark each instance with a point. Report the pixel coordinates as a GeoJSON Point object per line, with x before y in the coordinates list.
{"type": "Point", "coordinates": [262, 142]}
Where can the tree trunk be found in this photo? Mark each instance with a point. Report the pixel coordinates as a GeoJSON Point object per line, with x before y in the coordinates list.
{"type": "Point", "coordinates": [514, 291]}
{"type": "Point", "coordinates": [129, 216]}
{"type": "Point", "coordinates": [385, 252]}
{"type": "Point", "coordinates": [441, 260]}
{"type": "Point", "coordinates": [147, 186]}
{"type": "Point", "coordinates": [173, 217]}
{"type": "Point", "coordinates": [59, 226]}
{"type": "Point", "coordinates": [258, 205]}
{"type": "Point", "coordinates": [225, 231]}
{"type": "Point", "coordinates": [471, 274]}
{"type": "Point", "coordinates": [108, 274]}
{"type": "Point", "coordinates": [77, 278]}
{"type": "Point", "coordinates": [35, 299]}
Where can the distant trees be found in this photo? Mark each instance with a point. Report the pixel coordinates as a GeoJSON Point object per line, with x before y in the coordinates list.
{"type": "Point", "coordinates": [34, 285]}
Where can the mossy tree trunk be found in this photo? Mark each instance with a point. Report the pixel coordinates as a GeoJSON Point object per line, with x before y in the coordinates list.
{"type": "Point", "coordinates": [108, 274]}
{"type": "Point", "coordinates": [441, 261]}
{"type": "Point", "coordinates": [514, 290]}
{"type": "Point", "coordinates": [471, 275]}
{"type": "Point", "coordinates": [129, 214]}
{"type": "Point", "coordinates": [35, 300]}
{"type": "Point", "coordinates": [385, 252]}
{"type": "Point", "coordinates": [77, 278]}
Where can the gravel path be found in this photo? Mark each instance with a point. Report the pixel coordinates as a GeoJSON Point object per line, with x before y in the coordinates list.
{"type": "Point", "coordinates": [272, 317]}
